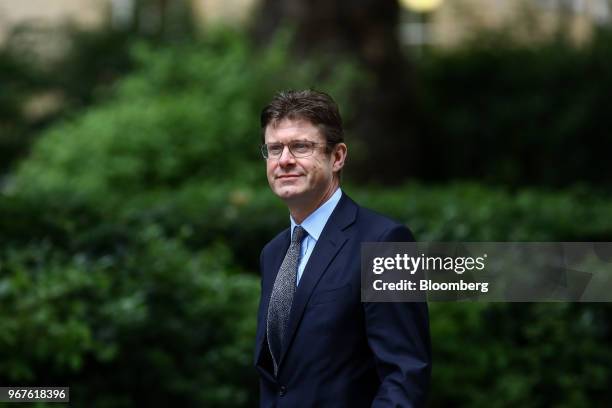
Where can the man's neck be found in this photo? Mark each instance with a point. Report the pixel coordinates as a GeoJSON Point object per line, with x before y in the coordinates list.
{"type": "Point", "coordinates": [301, 212]}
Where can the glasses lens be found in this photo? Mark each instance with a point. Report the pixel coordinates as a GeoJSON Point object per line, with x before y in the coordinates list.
{"type": "Point", "coordinates": [301, 148]}
{"type": "Point", "coordinates": [298, 149]}
{"type": "Point", "coordinates": [275, 149]}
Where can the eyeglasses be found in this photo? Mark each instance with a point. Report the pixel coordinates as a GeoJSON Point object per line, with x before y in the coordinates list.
{"type": "Point", "coordinates": [298, 148]}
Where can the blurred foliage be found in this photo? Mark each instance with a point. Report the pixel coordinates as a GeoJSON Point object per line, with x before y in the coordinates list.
{"type": "Point", "coordinates": [150, 323]}
{"type": "Point", "coordinates": [508, 112]}
{"type": "Point", "coordinates": [537, 354]}
{"type": "Point", "coordinates": [496, 109]}
{"type": "Point", "coordinates": [131, 233]}
{"type": "Point", "coordinates": [39, 89]}
{"type": "Point", "coordinates": [188, 113]}
{"type": "Point", "coordinates": [468, 211]}
{"type": "Point", "coordinates": [51, 73]}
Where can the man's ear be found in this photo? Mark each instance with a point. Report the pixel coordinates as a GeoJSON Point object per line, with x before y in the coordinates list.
{"type": "Point", "coordinates": [339, 156]}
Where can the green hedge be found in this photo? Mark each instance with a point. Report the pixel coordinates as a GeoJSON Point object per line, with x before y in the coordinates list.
{"type": "Point", "coordinates": [518, 114]}
{"type": "Point", "coordinates": [152, 324]}
{"type": "Point", "coordinates": [245, 217]}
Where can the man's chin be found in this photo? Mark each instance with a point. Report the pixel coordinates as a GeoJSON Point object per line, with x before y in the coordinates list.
{"type": "Point", "coordinates": [289, 193]}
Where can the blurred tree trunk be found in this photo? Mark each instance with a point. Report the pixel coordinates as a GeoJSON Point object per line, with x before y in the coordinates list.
{"type": "Point", "coordinates": [163, 19]}
{"type": "Point", "coordinates": [367, 30]}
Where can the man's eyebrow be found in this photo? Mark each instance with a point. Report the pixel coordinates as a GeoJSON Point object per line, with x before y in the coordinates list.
{"type": "Point", "coordinates": [294, 140]}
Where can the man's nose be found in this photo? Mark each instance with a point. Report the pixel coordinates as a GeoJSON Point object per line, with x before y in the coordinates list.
{"type": "Point", "coordinates": [286, 157]}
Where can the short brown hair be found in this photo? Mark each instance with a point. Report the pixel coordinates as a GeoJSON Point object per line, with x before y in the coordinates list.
{"type": "Point", "coordinates": [317, 107]}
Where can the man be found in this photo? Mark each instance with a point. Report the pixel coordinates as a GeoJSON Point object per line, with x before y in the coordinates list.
{"type": "Point", "coordinates": [317, 344]}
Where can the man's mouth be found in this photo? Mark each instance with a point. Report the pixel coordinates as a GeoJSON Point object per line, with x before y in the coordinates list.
{"type": "Point", "coordinates": [288, 176]}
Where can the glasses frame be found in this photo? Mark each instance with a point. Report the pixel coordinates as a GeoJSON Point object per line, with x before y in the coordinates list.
{"type": "Point", "coordinates": [264, 149]}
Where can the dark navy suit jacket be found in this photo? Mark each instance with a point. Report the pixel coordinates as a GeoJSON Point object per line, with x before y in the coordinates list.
{"type": "Point", "coordinates": [338, 351]}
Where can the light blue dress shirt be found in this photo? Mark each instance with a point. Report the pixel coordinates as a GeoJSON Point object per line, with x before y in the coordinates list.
{"type": "Point", "coordinates": [313, 224]}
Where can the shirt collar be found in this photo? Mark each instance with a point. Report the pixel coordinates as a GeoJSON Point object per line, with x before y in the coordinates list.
{"type": "Point", "coordinates": [314, 223]}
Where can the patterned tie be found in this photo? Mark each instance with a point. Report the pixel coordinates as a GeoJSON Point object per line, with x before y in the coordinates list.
{"type": "Point", "coordinates": [282, 297]}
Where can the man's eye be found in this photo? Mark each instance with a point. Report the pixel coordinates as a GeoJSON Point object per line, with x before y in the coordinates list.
{"type": "Point", "coordinates": [300, 147]}
{"type": "Point", "coordinates": [275, 149]}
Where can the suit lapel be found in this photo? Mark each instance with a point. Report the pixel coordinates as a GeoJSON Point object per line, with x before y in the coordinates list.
{"type": "Point", "coordinates": [330, 242]}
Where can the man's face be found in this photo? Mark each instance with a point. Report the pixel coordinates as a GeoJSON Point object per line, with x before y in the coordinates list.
{"type": "Point", "coordinates": [302, 181]}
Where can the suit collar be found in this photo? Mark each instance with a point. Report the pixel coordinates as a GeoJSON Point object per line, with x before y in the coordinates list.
{"type": "Point", "coordinates": [345, 213]}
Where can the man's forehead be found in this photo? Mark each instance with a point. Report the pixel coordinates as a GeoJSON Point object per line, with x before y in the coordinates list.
{"type": "Point", "coordinates": [288, 127]}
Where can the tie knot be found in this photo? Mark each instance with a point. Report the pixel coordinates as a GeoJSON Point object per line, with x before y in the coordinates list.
{"type": "Point", "coordinates": [298, 234]}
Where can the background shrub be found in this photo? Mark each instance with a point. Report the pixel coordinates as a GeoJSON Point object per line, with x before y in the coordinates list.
{"type": "Point", "coordinates": [517, 114]}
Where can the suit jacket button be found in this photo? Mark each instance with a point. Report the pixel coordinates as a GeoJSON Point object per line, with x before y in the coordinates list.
{"type": "Point", "coordinates": [282, 390]}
